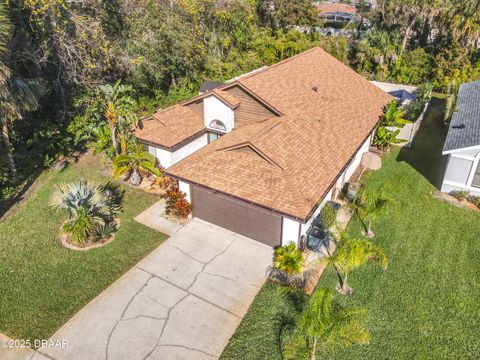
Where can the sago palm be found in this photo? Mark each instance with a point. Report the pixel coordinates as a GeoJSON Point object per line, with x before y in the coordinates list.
{"type": "Point", "coordinates": [352, 254]}
{"type": "Point", "coordinates": [134, 163]}
{"type": "Point", "coordinates": [325, 324]}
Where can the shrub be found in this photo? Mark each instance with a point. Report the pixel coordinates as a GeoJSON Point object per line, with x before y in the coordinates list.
{"type": "Point", "coordinates": [288, 259]}
{"type": "Point", "coordinates": [461, 195]}
{"type": "Point", "coordinates": [328, 216]}
{"type": "Point", "coordinates": [91, 209]}
{"type": "Point", "coordinates": [177, 205]}
{"type": "Point", "coordinates": [475, 200]}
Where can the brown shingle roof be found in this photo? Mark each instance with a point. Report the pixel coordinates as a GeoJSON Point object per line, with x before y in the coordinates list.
{"type": "Point", "coordinates": [288, 163]}
{"type": "Point", "coordinates": [332, 8]}
{"type": "Point", "coordinates": [170, 126]}
{"type": "Point", "coordinates": [230, 99]}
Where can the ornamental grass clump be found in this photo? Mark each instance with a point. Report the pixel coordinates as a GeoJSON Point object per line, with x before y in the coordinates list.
{"type": "Point", "coordinates": [91, 209]}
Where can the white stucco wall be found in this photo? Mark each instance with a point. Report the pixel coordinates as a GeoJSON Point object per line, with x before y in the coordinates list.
{"type": "Point", "coordinates": [290, 230]}
{"type": "Point", "coordinates": [307, 225]}
{"type": "Point", "coordinates": [185, 187]}
{"type": "Point", "coordinates": [167, 158]}
{"type": "Point", "coordinates": [214, 109]}
{"type": "Point", "coordinates": [189, 148]}
{"type": "Point", "coordinates": [352, 167]}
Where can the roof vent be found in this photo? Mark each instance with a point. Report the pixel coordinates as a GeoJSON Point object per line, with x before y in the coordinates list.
{"type": "Point", "coordinates": [315, 88]}
{"type": "Point", "coordinates": [460, 126]}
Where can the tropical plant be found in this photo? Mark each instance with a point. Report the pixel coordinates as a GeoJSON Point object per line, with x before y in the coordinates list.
{"type": "Point", "coordinates": [17, 95]}
{"type": "Point", "coordinates": [351, 254]}
{"type": "Point", "coordinates": [177, 204]}
{"type": "Point", "coordinates": [91, 209]}
{"type": "Point", "coordinates": [323, 324]}
{"type": "Point", "coordinates": [288, 259]}
{"type": "Point", "coordinates": [135, 163]}
{"type": "Point", "coordinates": [393, 115]}
{"type": "Point", "coordinates": [369, 204]}
{"type": "Point", "coordinates": [384, 138]}
{"type": "Point", "coordinates": [108, 111]}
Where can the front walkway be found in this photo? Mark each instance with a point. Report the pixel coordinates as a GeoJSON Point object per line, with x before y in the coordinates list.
{"type": "Point", "coordinates": [183, 301]}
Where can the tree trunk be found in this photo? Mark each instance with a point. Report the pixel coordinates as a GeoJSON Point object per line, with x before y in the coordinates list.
{"type": "Point", "coordinates": [408, 31]}
{"type": "Point", "coordinates": [314, 349]}
{"type": "Point", "coordinates": [113, 130]}
{"type": "Point", "coordinates": [135, 178]}
{"type": "Point", "coordinates": [8, 148]}
{"type": "Point", "coordinates": [370, 233]}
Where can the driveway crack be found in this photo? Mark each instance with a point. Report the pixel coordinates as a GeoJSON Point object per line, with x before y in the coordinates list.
{"type": "Point", "coordinates": [210, 261]}
{"type": "Point", "coordinates": [164, 326]}
{"type": "Point", "coordinates": [123, 314]}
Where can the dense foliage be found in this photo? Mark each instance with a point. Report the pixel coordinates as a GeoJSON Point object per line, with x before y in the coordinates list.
{"type": "Point", "coordinates": [57, 58]}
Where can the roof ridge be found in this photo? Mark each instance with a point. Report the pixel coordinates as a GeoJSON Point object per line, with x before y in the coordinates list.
{"type": "Point", "coordinates": [294, 57]}
{"type": "Point", "coordinates": [254, 149]}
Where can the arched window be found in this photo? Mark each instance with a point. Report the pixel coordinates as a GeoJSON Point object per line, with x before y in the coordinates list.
{"type": "Point", "coordinates": [218, 125]}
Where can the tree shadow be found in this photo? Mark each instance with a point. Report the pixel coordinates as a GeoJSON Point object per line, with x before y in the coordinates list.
{"type": "Point", "coordinates": [425, 154]}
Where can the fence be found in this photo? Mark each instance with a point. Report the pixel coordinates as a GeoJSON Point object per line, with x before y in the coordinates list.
{"type": "Point", "coordinates": [408, 131]}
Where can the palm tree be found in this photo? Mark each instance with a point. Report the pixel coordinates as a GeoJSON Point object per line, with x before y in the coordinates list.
{"type": "Point", "coordinates": [134, 163]}
{"type": "Point", "coordinates": [118, 109]}
{"type": "Point", "coordinates": [323, 322]}
{"type": "Point", "coordinates": [17, 95]}
{"type": "Point", "coordinates": [369, 204]}
{"type": "Point", "coordinates": [463, 21]}
{"type": "Point", "coordinates": [89, 207]}
{"type": "Point", "coordinates": [351, 254]}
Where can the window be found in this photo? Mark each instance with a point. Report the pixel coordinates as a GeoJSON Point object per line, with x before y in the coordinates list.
{"type": "Point", "coordinates": [217, 125]}
{"type": "Point", "coordinates": [212, 137]}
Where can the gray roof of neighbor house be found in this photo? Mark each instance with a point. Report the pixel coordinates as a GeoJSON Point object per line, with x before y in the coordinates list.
{"type": "Point", "coordinates": [464, 130]}
{"type": "Point", "coordinates": [208, 85]}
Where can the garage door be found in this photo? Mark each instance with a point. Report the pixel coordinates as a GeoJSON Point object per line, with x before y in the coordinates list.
{"type": "Point", "coordinates": [238, 216]}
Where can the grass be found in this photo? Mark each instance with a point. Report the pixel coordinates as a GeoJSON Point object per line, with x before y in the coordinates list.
{"type": "Point", "coordinates": [425, 306]}
{"type": "Point", "coordinates": [43, 284]}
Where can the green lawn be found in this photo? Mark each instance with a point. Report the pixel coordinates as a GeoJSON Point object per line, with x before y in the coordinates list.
{"type": "Point", "coordinates": [43, 284]}
{"type": "Point", "coordinates": [427, 304]}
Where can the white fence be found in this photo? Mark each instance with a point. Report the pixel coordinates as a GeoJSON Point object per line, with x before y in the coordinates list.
{"type": "Point", "coordinates": [408, 131]}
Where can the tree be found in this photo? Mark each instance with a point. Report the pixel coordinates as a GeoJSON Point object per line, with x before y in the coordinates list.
{"type": "Point", "coordinates": [324, 322]}
{"type": "Point", "coordinates": [289, 13]}
{"type": "Point", "coordinates": [119, 112]}
{"type": "Point", "coordinates": [351, 254]}
{"type": "Point", "coordinates": [369, 204]}
{"type": "Point", "coordinates": [134, 163]}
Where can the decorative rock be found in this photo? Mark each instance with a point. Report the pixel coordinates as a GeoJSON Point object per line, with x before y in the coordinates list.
{"type": "Point", "coordinates": [371, 161]}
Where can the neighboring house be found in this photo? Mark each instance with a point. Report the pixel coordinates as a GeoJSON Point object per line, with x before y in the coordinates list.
{"type": "Point", "coordinates": [335, 12]}
{"type": "Point", "coordinates": [463, 142]}
{"type": "Point", "coordinates": [292, 134]}
{"type": "Point", "coordinates": [402, 93]}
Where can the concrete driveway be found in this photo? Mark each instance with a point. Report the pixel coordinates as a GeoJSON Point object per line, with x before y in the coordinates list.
{"type": "Point", "coordinates": [183, 301]}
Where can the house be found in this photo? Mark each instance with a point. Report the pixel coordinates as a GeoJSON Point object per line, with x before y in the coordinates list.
{"type": "Point", "coordinates": [336, 12]}
{"type": "Point", "coordinates": [462, 144]}
{"type": "Point", "coordinates": [262, 153]}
